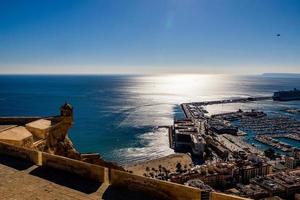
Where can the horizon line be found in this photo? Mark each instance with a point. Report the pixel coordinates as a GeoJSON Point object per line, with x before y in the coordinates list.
{"type": "Point", "coordinates": [145, 74]}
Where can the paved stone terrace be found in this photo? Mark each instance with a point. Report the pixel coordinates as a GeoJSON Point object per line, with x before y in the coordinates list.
{"type": "Point", "coordinates": [20, 180]}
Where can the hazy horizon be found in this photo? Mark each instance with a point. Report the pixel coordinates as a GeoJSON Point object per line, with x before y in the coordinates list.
{"type": "Point", "coordinates": [149, 37]}
{"type": "Point", "coordinates": [152, 74]}
{"type": "Point", "coordinates": [51, 70]}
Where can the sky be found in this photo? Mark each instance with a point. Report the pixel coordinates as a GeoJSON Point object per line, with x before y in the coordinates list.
{"type": "Point", "coordinates": [149, 36]}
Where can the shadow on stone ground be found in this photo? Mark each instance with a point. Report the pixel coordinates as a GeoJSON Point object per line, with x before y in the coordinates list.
{"type": "Point", "coordinates": [117, 193]}
{"type": "Point", "coordinates": [76, 182]}
{"type": "Point", "coordinates": [17, 164]}
{"type": "Point", "coordinates": [67, 179]}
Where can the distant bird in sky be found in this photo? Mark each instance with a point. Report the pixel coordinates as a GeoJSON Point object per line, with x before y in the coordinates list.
{"type": "Point", "coordinates": [278, 35]}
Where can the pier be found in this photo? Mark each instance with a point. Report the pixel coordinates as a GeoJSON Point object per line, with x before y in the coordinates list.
{"type": "Point", "coordinates": [274, 143]}
{"type": "Point", "coordinates": [186, 111]}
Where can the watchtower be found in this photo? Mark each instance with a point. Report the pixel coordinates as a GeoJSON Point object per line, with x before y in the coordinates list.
{"type": "Point", "coordinates": [66, 113]}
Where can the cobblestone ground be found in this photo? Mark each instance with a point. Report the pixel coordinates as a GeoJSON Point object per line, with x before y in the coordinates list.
{"type": "Point", "coordinates": [20, 180]}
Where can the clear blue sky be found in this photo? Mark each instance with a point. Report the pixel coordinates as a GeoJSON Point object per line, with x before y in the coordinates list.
{"type": "Point", "coordinates": [149, 36]}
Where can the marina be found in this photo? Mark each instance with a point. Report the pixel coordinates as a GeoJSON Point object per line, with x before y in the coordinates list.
{"type": "Point", "coordinates": [237, 133]}
{"type": "Point", "coordinates": [292, 142]}
{"type": "Point", "coordinates": [274, 143]}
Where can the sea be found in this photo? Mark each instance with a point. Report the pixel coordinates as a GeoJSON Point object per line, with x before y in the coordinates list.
{"type": "Point", "coordinates": [119, 116]}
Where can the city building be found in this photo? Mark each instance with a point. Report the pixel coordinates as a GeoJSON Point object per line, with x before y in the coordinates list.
{"type": "Point", "coordinates": [187, 138]}
{"type": "Point", "coordinates": [290, 162]}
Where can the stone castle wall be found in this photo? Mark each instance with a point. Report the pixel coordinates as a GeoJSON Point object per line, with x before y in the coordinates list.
{"type": "Point", "coordinates": [21, 152]}
{"type": "Point", "coordinates": [83, 169]}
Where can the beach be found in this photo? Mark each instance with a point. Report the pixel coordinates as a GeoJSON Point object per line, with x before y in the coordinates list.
{"type": "Point", "coordinates": [169, 162]}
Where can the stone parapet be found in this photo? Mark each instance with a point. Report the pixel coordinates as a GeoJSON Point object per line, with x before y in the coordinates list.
{"type": "Point", "coordinates": [21, 152]}
{"type": "Point", "coordinates": [80, 168]}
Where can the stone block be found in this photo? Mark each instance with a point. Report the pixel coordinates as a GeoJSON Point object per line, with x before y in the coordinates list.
{"type": "Point", "coordinates": [39, 128]}
{"type": "Point", "coordinates": [18, 136]}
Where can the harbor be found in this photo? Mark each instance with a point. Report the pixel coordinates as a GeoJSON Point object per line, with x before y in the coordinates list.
{"type": "Point", "coordinates": [229, 134]}
{"type": "Point", "coordinates": [236, 147]}
{"type": "Point", "coordinates": [265, 129]}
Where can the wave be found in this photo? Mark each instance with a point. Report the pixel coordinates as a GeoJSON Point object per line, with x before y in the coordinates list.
{"type": "Point", "coordinates": [155, 145]}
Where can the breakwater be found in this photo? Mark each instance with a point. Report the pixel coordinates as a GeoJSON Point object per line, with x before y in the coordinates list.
{"type": "Point", "coordinates": [237, 100]}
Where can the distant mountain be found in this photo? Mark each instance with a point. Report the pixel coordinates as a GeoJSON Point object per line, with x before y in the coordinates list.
{"type": "Point", "coordinates": [282, 75]}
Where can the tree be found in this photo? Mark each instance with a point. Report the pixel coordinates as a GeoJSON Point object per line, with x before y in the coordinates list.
{"type": "Point", "coordinates": [160, 168]}
{"type": "Point", "coordinates": [270, 153]}
{"type": "Point", "coordinates": [147, 169]}
{"type": "Point", "coordinates": [178, 167]}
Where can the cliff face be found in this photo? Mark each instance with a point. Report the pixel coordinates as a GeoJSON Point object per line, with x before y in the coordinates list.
{"type": "Point", "coordinates": [66, 148]}
{"type": "Point", "coordinates": [63, 147]}
{"type": "Point", "coordinates": [58, 143]}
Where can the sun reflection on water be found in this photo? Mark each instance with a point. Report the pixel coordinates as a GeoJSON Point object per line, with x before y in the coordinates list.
{"type": "Point", "coordinates": [184, 87]}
